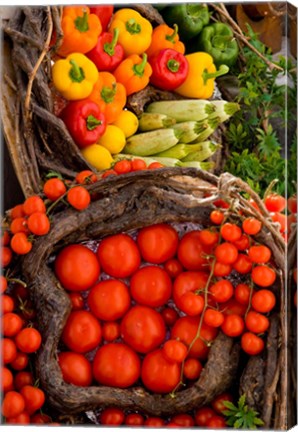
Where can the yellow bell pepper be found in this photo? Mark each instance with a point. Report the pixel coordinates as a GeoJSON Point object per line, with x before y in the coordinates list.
{"type": "Point", "coordinates": [202, 72]}
{"type": "Point", "coordinates": [75, 76]}
{"type": "Point", "coordinates": [135, 32]}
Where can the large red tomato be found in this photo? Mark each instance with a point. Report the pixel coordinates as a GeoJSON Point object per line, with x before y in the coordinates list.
{"type": "Point", "coordinates": [190, 282]}
{"type": "Point", "coordinates": [191, 251]}
{"type": "Point", "coordinates": [77, 268]}
{"type": "Point", "coordinates": [116, 365]}
{"type": "Point", "coordinates": [119, 255]}
{"type": "Point", "coordinates": [143, 329]}
{"type": "Point", "coordinates": [159, 374]}
{"type": "Point", "coordinates": [109, 300]}
{"type": "Point", "coordinates": [185, 329]}
{"type": "Point", "coordinates": [76, 369]}
{"type": "Point", "coordinates": [158, 243]}
{"type": "Point", "coordinates": [82, 332]}
{"type": "Point", "coordinates": [151, 286]}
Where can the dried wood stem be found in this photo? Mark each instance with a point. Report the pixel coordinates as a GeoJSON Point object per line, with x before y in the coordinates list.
{"type": "Point", "coordinates": [22, 38]}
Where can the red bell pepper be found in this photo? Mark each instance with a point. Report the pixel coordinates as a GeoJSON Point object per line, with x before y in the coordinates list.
{"type": "Point", "coordinates": [84, 121]}
{"type": "Point", "coordinates": [104, 13]}
{"type": "Point", "coordinates": [169, 69]}
{"type": "Point", "coordinates": [107, 53]}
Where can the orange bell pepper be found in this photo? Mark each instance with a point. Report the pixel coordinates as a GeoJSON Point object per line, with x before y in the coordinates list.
{"type": "Point", "coordinates": [109, 95]}
{"type": "Point", "coordinates": [134, 73]}
{"type": "Point", "coordinates": [164, 37]}
{"type": "Point", "coordinates": [80, 30]}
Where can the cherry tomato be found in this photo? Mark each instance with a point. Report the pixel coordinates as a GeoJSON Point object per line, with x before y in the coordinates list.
{"type": "Point", "coordinates": [222, 270]}
{"type": "Point", "coordinates": [77, 301]}
{"type": "Point", "coordinates": [263, 301]}
{"type": "Point", "coordinates": [251, 226]}
{"type": "Point", "coordinates": [34, 398]}
{"type": "Point", "coordinates": [213, 318]}
{"type": "Point", "coordinates": [151, 286]}
{"type": "Point", "coordinates": [134, 419]}
{"type": "Point", "coordinates": [20, 244]}
{"type": "Point", "coordinates": [112, 417]}
{"type": "Point", "coordinates": [40, 419]}
{"type": "Point", "coordinates": [28, 340]}
{"type": "Point", "coordinates": [154, 422]}
{"type": "Point", "coordinates": [202, 415]}
{"type": "Point", "coordinates": [143, 329]}
{"type": "Point", "coordinates": [263, 276]}
{"type": "Point", "coordinates": [82, 332]}
{"type": "Point", "coordinates": [78, 197]}
{"type": "Point", "coordinates": [86, 177]}
{"type": "Point", "coordinates": [5, 238]}
{"type": "Point", "coordinates": [218, 403]}
{"type": "Point", "coordinates": [216, 422]}
{"type": "Point", "coordinates": [275, 203]}
{"type": "Point", "coordinates": [108, 365]}
{"type": "Point", "coordinates": [173, 267]}
{"type": "Point", "coordinates": [259, 254]}
{"type": "Point", "coordinates": [191, 303]}
{"type": "Point", "coordinates": [20, 362]}
{"type": "Point", "coordinates": [11, 324]}
{"type": "Point", "coordinates": [190, 283]}
{"type": "Point", "coordinates": [292, 204]}
{"type": "Point", "coordinates": [3, 284]}
{"type": "Point", "coordinates": [119, 255]}
{"type": "Point", "coordinates": [7, 304]}
{"type": "Point", "coordinates": [138, 165]}
{"type": "Point", "coordinates": [109, 300]}
{"type": "Point", "coordinates": [13, 404]}
{"type": "Point", "coordinates": [222, 290]}
{"type": "Point", "coordinates": [226, 253]}
{"type": "Point", "coordinates": [123, 166]}
{"type": "Point", "coordinates": [233, 325]}
{"type": "Point", "coordinates": [54, 188]}
{"type": "Point", "coordinates": [175, 351]}
{"type": "Point", "coordinates": [282, 220]}
{"type": "Point", "coordinates": [243, 264]}
{"type": "Point", "coordinates": [155, 165]}
{"type": "Point", "coordinates": [6, 379]}
{"type": "Point", "coordinates": [192, 252]}
{"type": "Point", "coordinates": [6, 256]}
{"type": "Point", "coordinates": [34, 204]}
{"type": "Point", "coordinates": [77, 268]}
{"type": "Point", "coordinates": [232, 307]}
{"type": "Point", "coordinates": [109, 173]}
{"type": "Point", "coordinates": [75, 368]}
{"type": "Point", "coordinates": [230, 232]}
{"type": "Point", "coordinates": [170, 316]}
{"type": "Point", "coordinates": [186, 328]}
{"type": "Point", "coordinates": [256, 322]}
{"type": "Point", "coordinates": [209, 237]}
{"type": "Point", "coordinates": [39, 224]}
{"type": "Point", "coordinates": [243, 293]}
{"type": "Point", "coordinates": [243, 243]}
{"type": "Point", "coordinates": [9, 350]}
{"type": "Point", "coordinates": [158, 243]}
{"type": "Point", "coordinates": [192, 368]}
{"type": "Point", "coordinates": [19, 225]}
{"type": "Point", "coordinates": [217, 217]}
{"type": "Point", "coordinates": [252, 344]}
{"type": "Point", "coordinates": [22, 419]}
{"type": "Point", "coordinates": [159, 374]}
{"type": "Point", "coordinates": [220, 203]}
{"type": "Point", "coordinates": [17, 211]}
{"type": "Point", "coordinates": [23, 378]}
{"type": "Point", "coordinates": [184, 420]}
{"type": "Point", "coordinates": [110, 331]}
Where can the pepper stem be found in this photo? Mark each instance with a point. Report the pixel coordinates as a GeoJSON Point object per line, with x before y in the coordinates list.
{"type": "Point", "coordinates": [109, 48]}
{"type": "Point", "coordinates": [76, 72]}
{"type": "Point", "coordinates": [107, 93]}
{"type": "Point", "coordinates": [92, 122]}
{"type": "Point", "coordinates": [140, 68]}
{"type": "Point", "coordinates": [132, 26]}
{"type": "Point", "coordinates": [171, 37]}
{"type": "Point", "coordinates": [220, 42]}
{"type": "Point", "coordinates": [173, 65]}
{"type": "Point", "coordinates": [221, 71]}
{"type": "Point", "coordinates": [81, 23]}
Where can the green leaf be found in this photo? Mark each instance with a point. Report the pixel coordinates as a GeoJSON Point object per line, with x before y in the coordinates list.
{"type": "Point", "coordinates": [230, 405]}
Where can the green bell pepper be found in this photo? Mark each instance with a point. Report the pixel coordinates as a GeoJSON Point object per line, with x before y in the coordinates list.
{"type": "Point", "coordinates": [218, 40]}
{"type": "Point", "coordinates": [190, 18]}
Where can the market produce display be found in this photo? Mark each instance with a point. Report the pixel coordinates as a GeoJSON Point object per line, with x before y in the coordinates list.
{"type": "Point", "coordinates": [148, 275]}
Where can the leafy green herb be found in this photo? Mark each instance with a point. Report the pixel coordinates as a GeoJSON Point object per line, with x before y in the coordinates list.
{"type": "Point", "coordinates": [241, 416]}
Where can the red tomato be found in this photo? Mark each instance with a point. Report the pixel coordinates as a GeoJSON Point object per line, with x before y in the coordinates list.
{"type": "Point", "coordinates": [110, 331]}
{"type": "Point", "coordinates": [175, 351]}
{"type": "Point", "coordinates": [109, 300]}
{"type": "Point", "coordinates": [151, 286]}
{"type": "Point", "coordinates": [243, 264]}
{"type": "Point", "coordinates": [3, 284]}
{"type": "Point", "coordinates": [213, 318]}
{"type": "Point", "coordinates": [158, 243]}
{"type": "Point", "coordinates": [226, 253]}
{"type": "Point", "coordinates": [7, 304]}
{"type": "Point", "coordinates": [13, 404]}
{"type": "Point", "coordinates": [6, 379]}
{"type": "Point", "coordinates": [77, 268]}
{"type": "Point", "coordinates": [209, 237]}
{"type": "Point", "coordinates": [19, 225]}
{"type": "Point", "coordinates": [77, 301]}
{"type": "Point", "coordinates": [17, 211]}
{"type": "Point", "coordinates": [191, 251]}
{"type": "Point", "coordinates": [82, 332]}
{"type": "Point", "coordinates": [54, 188]}
{"type": "Point", "coordinates": [39, 224]}
{"type": "Point", "coordinates": [112, 417]}
{"type": "Point", "coordinates": [123, 166]}
{"type": "Point", "coordinates": [259, 254]}
{"type": "Point", "coordinates": [185, 329]}
{"type": "Point", "coordinates": [119, 255]}
{"type": "Point", "coordinates": [6, 256]}
{"type": "Point", "coordinates": [22, 419]}
{"type": "Point", "coordinates": [263, 276]}
{"type": "Point", "coordinates": [9, 350]}
{"type": "Point", "coordinates": [233, 325]}
{"type": "Point", "coordinates": [222, 290]}
{"type": "Point", "coordinates": [184, 420]}
{"type": "Point", "coordinates": [33, 204]}
{"type": "Point", "coordinates": [216, 422]}
{"type": "Point", "coordinates": [78, 197]}
{"type": "Point", "coordinates": [232, 307]}
{"type": "Point", "coordinates": [138, 165]}
{"type": "Point", "coordinates": [23, 378]}
{"type": "Point", "coordinates": [243, 293]}
{"type": "Point", "coordinates": [143, 329]}
{"type": "Point", "coordinates": [28, 340]}
{"type": "Point", "coordinates": [192, 368]}
{"type": "Point", "coordinates": [243, 243]}
{"type": "Point", "coordinates": [221, 270]}
{"type": "Point", "coordinates": [155, 165]}
{"type": "Point", "coordinates": [154, 422]}
{"type": "Point", "coordinates": [20, 362]}
{"type": "Point", "coordinates": [40, 419]}
{"type": "Point", "coordinates": [217, 217]}
{"type": "Point", "coordinates": [116, 365]}
{"type": "Point", "coordinates": [173, 267]}
{"type": "Point", "coordinates": [292, 204]}
{"type": "Point", "coordinates": [202, 415]}
{"type": "Point", "coordinates": [190, 282]}
{"type": "Point", "coordinates": [5, 238]}
{"type": "Point", "coordinates": [170, 316]}
{"type": "Point", "coordinates": [218, 403]}
{"type": "Point", "coordinates": [11, 324]}
{"type": "Point", "coordinates": [86, 177]}
{"type": "Point", "coordinates": [256, 322]}
{"type": "Point", "coordinates": [251, 226]}
{"type": "Point", "coordinates": [75, 368]}
{"type": "Point", "coordinates": [282, 220]}
{"type": "Point", "coordinates": [263, 301]}
{"type": "Point", "coordinates": [34, 398]}
{"type": "Point", "coordinates": [251, 343]}
{"type": "Point", "coordinates": [20, 243]}
{"type": "Point", "coordinates": [275, 203]}
{"type": "Point", "coordinates": [159, 374]}
{"type": "Point", "coordinates": [230, 232]}
{"type": "Point", "coordinates": [134, 419]}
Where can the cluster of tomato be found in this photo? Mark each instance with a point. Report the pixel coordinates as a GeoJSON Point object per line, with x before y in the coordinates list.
{"type": "Point", "coordinates": [276, 205]}
{"type": "Point", "coordinates": [22, 399]}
